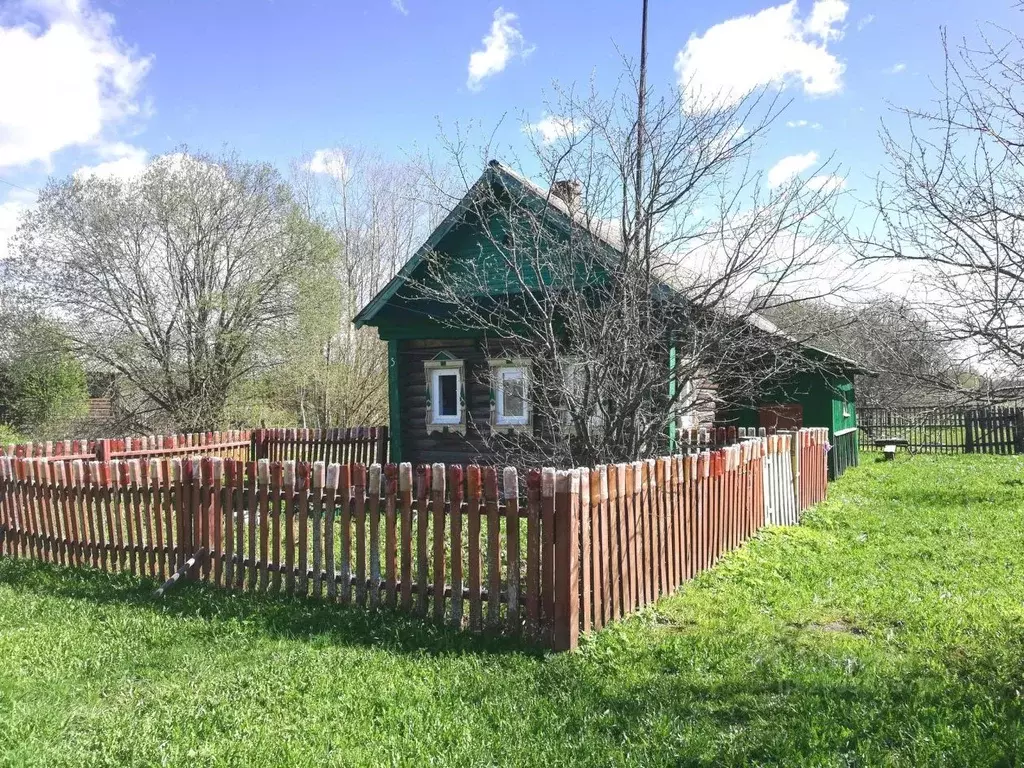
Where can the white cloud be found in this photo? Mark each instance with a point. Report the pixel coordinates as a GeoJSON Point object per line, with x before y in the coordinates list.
{"type": "Point", "coordinates": [11, 209]}
{"type": "Point", "coordinates": [502, 43]}
{"type": "Point", "coordinates": [825, 16]}
{"type": "Point", "coordinates": [802, 124]}
{"type": "Point", "coordinates": [329, 161]}
{"type": "Point", "coordinates": [772, 47]}
{"type": "Point", "coordinates": [122, 161]}
{"type": "Point", "coordinates": [863, 21]}
{"type": "Point", "coordinates": [551, 128]}
{"type": "Point", "coordinates": [74, 79]}
{"type": "Point", "coordinates": [399, 5]}
{"type": "Point", "coordinates": [895, 69]}
{"type": "Point", "coordinates": [791, 166]}
{"type": "Point", "coordinates": [826, 183]}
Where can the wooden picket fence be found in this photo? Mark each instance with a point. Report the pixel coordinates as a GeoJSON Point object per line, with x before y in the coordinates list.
{"type": "Point", "coordinates": [352, 445]}
{"type": "Point", "coordinates": [463, 545]}
{"type": "Point", "coordinates": [845, 452]}
{"type": "Point", "coordinates": [231, 444]}
{"type": "Point", "coordinates": [995, 429]}
{"type": "Point", "coordinates": [362, 445]}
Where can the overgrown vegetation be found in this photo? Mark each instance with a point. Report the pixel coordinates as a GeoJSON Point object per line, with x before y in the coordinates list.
{"type": "Point", "coordinates": [887, 629]}
{"type": "Point", "coordinates": [43, 389]}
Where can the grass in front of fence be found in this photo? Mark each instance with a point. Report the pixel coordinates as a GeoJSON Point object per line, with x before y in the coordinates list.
{"type": "Point", "coordinates": [886, 630]}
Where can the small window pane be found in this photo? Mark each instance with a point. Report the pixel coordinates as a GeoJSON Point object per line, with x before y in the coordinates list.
{"type": "Point", "coordinates": [514, 402]}
{"type": "Point", "coordinates": [448, 395]}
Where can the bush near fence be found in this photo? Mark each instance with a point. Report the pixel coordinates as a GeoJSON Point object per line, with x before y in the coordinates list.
{"type": "Point", "coordinates": [581, 548]}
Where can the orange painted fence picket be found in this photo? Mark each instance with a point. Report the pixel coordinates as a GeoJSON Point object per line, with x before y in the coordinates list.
{"type": "Point", "coordinates": [551, 554]}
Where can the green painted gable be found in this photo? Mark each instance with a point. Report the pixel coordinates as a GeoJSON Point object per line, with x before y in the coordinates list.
{"type": "Point", "coordinates": [470, 257]}
{"type": "Point", "coordinates": [470, 242]}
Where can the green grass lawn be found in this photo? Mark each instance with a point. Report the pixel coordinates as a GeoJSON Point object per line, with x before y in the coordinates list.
{"type": "Point", "coordinates": [886, 630]}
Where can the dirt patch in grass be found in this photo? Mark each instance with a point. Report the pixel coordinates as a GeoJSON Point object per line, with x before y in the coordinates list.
{"type": "Point", "coordinates": [838, 626]}
{"type": "Point", "coordinates": [680, 626]}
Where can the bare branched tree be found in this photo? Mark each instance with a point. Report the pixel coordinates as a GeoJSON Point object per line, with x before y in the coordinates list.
{"type": "Point", "coordinates": [170, 280]}
{"type": "Point", "coordinates": [331, 373]}
{"type": "Point", "coordinates": [951, 205]}
{"type": "Point", "coordinates": [633, 274]}
{"type": "Point", "coordinates": [887, 335]}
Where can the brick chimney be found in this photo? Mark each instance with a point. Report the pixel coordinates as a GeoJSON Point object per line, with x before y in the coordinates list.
{"type": "Point", "coordinates": [569, 191]}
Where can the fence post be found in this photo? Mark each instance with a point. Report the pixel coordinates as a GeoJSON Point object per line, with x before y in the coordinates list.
{"type": "Point", "coordinates": [795, 445]}
{"type": "Point", "coordinates": [6, 536]}
{"type": "Point", "coordinates": [257, 440]}
{"type": "Point", "coordinates": [567, 600]}
{"type": "Point", "coordinates": [103, 450]}
{"type": "Point", "coordinates": [197, 504]}
{"type": "Point", "coordinates": [510, 480]}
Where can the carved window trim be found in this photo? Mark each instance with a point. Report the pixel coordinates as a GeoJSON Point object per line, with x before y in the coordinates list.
{"type": "Point", "coordinates": [500, 422]}
{"type": "Point", "coordinates": [441, 365]}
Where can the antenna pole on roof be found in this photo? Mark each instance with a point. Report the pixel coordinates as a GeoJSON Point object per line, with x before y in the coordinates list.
{"type": "Point", "coordinates": [640, 118]}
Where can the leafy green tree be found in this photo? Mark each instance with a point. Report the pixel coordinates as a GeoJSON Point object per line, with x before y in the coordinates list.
{"type": "Point", "coordinates": [44, 388]}
{"type": "Point", "coordinates": [320, 372]}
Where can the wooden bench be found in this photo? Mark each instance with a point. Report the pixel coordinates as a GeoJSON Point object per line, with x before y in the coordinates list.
{"type": "Point", "coordinates": [890, 444]}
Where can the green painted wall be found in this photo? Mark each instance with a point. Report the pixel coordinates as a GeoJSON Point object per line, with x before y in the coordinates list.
{"type": "Point", "coordinates": [844, 396]}
{"type": "Point", "coordinates": [478, 261]}
{"type": "Point", "coordinates": [821, 395]}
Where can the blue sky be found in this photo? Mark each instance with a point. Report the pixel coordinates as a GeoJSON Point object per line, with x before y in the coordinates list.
{"type": "Point", "coordinates": [106, 85]}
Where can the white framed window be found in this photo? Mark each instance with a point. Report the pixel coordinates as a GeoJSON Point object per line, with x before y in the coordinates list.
{"type": "Point", "coordinates": [510, 393]}
{"type": "Point", "coordinates": [846, 407]}
{"type": "Point", "coordinates": [511, 397]}
{"type": "Point", "coordinates": [446, 385]}
{"type": "Point", "coordinates": [446, 394]}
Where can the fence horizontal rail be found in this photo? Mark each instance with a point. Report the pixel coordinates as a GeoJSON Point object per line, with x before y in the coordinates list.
{"type": "Point", "coordinates": [550, 554]}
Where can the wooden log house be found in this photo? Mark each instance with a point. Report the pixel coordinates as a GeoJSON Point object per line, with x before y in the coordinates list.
{"type": "Point", "coordinates": [448, 385]}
